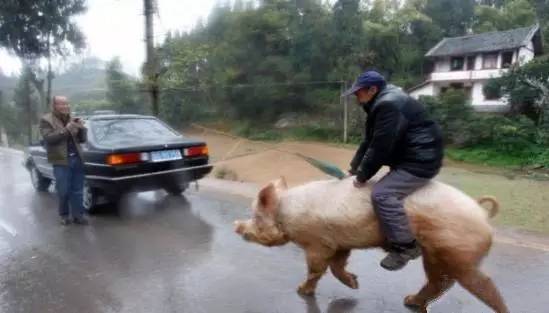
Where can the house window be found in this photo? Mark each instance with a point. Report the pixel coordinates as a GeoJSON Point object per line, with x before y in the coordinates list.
{"type": "Point", "coordinates": [489, 95]}
{"type": "Point", "coordinates": [456, 64]}
{"type": "Point", "coordinates": [507, 59]}
{"type": "Point", "coordinates": [471, 62]}
{"type": "Point", "coordinates": [490, 61]}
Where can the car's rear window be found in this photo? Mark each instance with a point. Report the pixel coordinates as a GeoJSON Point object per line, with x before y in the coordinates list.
{"type": "Point", "coordinates": [112, 131]}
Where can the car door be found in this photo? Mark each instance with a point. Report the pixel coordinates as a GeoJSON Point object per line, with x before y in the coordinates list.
{"type": "Point", "coordinates": [40, 159]}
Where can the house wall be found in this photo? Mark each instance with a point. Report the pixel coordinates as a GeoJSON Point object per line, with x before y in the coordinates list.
{"type": "Point", "coordinates": [442, 65]}
{"type": "Point", "coordinates": [478, 62]}
{"type": "Point", "coordinates": [427, 90]}
{"type": "Point", "coordinates": [477, 78]}
{"type": "Point", "coordinates": [478, 97]}
{"type": "Point", "coordinates": [526, 53]}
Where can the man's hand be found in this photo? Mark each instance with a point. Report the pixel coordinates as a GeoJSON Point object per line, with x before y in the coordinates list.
{"type": "Point", "coordinates": [359, 184]}
{"type": "Point", "coordinates": [73, 127]}
{"type": "Point", "coordinates": [79, 122]}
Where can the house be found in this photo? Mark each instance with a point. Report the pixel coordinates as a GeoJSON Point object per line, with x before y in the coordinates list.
{"type": "Point", "coordinates": [468, 62]}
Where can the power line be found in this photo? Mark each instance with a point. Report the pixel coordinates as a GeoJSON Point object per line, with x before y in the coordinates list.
{"type": "Point", "coordinates": [237, 86]}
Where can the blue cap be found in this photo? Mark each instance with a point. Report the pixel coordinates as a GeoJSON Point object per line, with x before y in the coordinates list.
{"type": "Point", "coordinates": [366, 80]}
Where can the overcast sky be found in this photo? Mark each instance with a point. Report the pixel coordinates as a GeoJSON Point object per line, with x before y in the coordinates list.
{"type": "Point", "coordinates": [116, 28]}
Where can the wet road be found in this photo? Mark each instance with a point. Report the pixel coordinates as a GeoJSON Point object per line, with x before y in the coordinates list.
{"type": "Point", "coordinates": [179, 254]}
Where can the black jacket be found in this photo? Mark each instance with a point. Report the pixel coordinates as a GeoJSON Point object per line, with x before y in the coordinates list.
{"type": "Point", "coordinates": [399, 134]}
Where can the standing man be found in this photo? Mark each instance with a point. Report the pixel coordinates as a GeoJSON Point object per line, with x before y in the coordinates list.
{"type": "Point", "coordinates": [62, 136]}
{"type": "Point", "coordinates": [400, 135]}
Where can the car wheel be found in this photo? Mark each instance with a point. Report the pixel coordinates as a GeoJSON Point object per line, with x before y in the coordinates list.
{"type": "Point", "coordinates": [89, 198]}
{"type": "Point", "coordinates": [39, 182]}
{"type": "Point", "coordinates": [176, 190]}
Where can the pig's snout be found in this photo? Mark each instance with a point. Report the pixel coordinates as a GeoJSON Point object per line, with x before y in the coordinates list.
{"type": "Point", "coordinates": [241, 228]}
{"type": "Point", "coordinates": [238, 227]}
{"type": "Point", "coordinates": [267, 235]}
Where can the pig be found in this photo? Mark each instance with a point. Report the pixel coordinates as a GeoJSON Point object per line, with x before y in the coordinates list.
{"type": "Point", "coordinates": [328, 219]}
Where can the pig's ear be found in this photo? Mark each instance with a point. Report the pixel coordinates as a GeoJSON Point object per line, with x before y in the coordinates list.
{"type": "Point", "coordinates": [268, 199]}
{"type": "Point", "coordinates": [281, 184]}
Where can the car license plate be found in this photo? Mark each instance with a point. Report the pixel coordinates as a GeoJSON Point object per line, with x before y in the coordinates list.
{"type": "Point", "coordinates": [166, 155]}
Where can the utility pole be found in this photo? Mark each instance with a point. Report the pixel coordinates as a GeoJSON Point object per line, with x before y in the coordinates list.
{"type": "Point", "coordinates": [345, 113]}
{"type": "Point", "coordinates": [151, 72]}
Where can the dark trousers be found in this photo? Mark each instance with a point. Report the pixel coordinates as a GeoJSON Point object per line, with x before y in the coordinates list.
{"type": "Point", "coordinates": [69, 183]}
{"type": "Point", "coordinates": [388, 197]}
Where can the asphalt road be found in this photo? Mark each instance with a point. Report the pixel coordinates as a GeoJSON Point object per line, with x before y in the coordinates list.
{"type": "Point", "coordinates": [157, 253]}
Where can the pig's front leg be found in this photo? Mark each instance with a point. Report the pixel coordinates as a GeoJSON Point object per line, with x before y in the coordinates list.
{"type": "Point", "coordinates": [337, 265]}
{"type": "Point", "coordinates": [317, 263]}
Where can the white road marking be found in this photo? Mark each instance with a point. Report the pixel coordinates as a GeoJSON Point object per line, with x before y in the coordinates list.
{"type": "Point", "coordinates": [8, 228]}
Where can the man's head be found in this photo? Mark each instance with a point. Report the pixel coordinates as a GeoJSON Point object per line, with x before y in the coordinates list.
{"type": "Point", "coordinates": [366, 87]}
{"type": "Point", "coordinates": [61, 105]}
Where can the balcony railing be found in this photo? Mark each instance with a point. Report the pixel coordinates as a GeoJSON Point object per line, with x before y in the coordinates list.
{"type": "Point", "coordinates": [467, 75]}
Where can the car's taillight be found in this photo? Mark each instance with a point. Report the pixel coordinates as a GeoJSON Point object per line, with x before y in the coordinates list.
{"type": "Point", "coordinates": [126, 158]}
{"type": "Point", "coordinates": [195, 151]}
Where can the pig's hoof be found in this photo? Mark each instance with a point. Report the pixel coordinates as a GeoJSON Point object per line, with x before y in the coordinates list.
{"type": "Point", "coordinates": [353, 282]}
{"type": "Point", "coordinates": [349, 280]}
{"type": "Point", "coordinates": [413, 303]}
{"type": "Point", "coordinates": [305, 291]}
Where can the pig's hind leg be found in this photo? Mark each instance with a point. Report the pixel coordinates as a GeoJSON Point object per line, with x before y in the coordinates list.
{"type": "Point", "coordinates": [337, 266]}
{"type": "Point", "coordinates": [318, 259]}
{"type": "Point", "coordinates": [439, 280]}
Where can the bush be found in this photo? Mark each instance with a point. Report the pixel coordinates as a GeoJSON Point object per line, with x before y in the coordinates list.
{"type": "Point", "coordinates": [489, 139]}
{"type": "Point", "coordinates": [453, 114]}
{"type": "Point", "coordinates": [315, 132]}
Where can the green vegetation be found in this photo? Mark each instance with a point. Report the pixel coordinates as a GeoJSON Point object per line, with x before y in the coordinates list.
{"type": "Point", "coordinates": [256, 63]}
{"type": "Point", "coordinates": [512, 140]}
{"type": "Point", "coordinates": [39, 30]}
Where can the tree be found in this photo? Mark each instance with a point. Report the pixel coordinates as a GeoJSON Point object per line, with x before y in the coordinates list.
{"type": "Point", "coordinates": [527, 88]}
{"type": "Point", "coordinates": [26, 102]}
{"type": "Point", "coordinates": [542, 10]}
{"type": "Point", "coordinates": [122, 91]}
{"type": "Point", "coordinates": [38, 29]}
{"type": "Point", "coordinates": [513, 14]}
{"type": "Point", "coordinates": [453, 17]}
{"type": "Point", "coordinates": [349, 36]}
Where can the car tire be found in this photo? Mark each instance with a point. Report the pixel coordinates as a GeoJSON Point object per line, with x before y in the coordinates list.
{"type": "Point", "coordinates": [89, 198]}
{"type": "Point", "coordinates": [176, 189]}
{"type": "Point", "coordinates": [39, 182]}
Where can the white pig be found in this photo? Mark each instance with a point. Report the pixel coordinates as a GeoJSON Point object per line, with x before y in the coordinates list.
{"type": "Point", "coordinates": [330, 218]}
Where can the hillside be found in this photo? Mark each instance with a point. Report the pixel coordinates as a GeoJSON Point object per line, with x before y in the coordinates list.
{"type": "Point", "coordinates": [82, 81]}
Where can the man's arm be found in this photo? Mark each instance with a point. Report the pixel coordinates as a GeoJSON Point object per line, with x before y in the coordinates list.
{"type": "Point", "coordinates": [50, 135]}
{"type": "Point", "coordinates": [359, 155]}
{"type": "Point", "coordinates": [389, 124]}
{"type": "Point", "coordinates": [82, 135]}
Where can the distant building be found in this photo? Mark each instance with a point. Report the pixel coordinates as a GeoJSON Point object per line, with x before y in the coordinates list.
{"type": "Point", "coordinates": [468, 62]}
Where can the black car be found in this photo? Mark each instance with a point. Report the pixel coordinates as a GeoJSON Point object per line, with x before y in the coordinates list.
{"type": "Point", "coordinates": [127, 153]}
